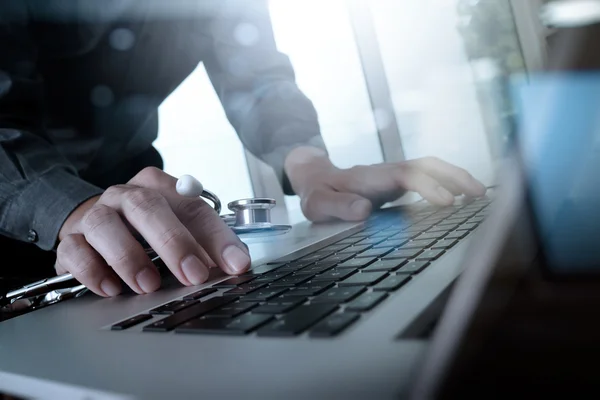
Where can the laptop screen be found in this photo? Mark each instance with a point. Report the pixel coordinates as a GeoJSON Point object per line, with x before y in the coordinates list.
{"type": "Point", "coordinates": [559, 143]}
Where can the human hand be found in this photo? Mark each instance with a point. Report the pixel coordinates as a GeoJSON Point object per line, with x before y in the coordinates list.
{"type": "Point", "coordinates": [328, 192]}
{"type": "Point", "coordinates": [97, 243]}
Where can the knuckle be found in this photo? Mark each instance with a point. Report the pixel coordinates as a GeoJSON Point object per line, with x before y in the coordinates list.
{"type": "Point", "coordinates": [144, 200]}
{"type": "Point", "coordinates": [113, 191]}
{"type": "Point", "coordinates": [175, 234]}
{"type": "Point", "coordinates": [67, 247]}
{"type": "Point", "coordinates": [463, 175]}
{"type": "Point", "coordinates": [151, 174]}
{"type": "Point", "coordinates": [193, 209]}
{"type": "Point", "coordinates": [96, 217]}
{"type": "Point", "coordinates": [308, 203]}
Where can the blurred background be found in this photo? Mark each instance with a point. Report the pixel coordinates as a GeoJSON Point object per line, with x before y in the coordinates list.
{"type": "Point", "coordinates": [390, 79]}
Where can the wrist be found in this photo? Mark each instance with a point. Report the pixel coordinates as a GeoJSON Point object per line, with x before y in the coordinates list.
{"type": "Point", "coordinates": [304, 162]}
{"type": "Point", "coordinates": [68, 226]}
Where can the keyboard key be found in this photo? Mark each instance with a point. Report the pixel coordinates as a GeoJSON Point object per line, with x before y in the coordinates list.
{"type": "Point", "coordinates": [263, 294]}
{"type": "Point", "coordinates": [128, 323]}
{"type": "Point", "coordinates": [334, 275]}
{"type": "Point", "coordinates": [439, 229]}
{"type": "Point", "coordinates": [457, 235]}
{"type": "Point", "coordinates": [363, 279]}
{"type": "Point", "coordinates": [317, 268]}
{"type": "Point", "coordinates": [410, 253]}
{"type": "Point", "coordinates": [366, 301]}
{"type": "Point", "coordinates": [372, 241]}
{"type": "Point", "coordinates": [244, 289]}
{"type": "Point", "coordinates": [335, 248]}
{"type": "Point", "coordinates": [316, 256]}
{"type": "Point", "coordinates": [431, 235]}
{"type": "Point", "coordinates": [392, 282]}
{"type": "Point", "coordinates": [355, 249]}
{"type": "Point", "coordinates": [413, 267]}
{"type": "Point", "coordinates": [350, 241]}
{"type": "Point", "coordinates": [375, 252]}
{"type": "Point", "coordinates": [297, 265]}
{"type": "Point", "coordinates": [338, 295]}
{"type": "Point", "coordinates": [467, 227]}
{"type": "Point", "coordinates": [357, 263]}
{"type": "Point", "coordinates": [195, 311]}
{"type": "Point", "coordinates": [292, 280]}
{"type": "Point", "coordinates": [385, 265]}
{"type": "Point", "coordinates": [444, 244]}
{"type": "Point", "coordinates": [263, 269]}
{"type": "Point", "coordinates": [298, 320]}
{"type": "Point", "coordinates": [417, 244]}
{"type": "Point", "coordinates": [231, 310]}
{"type": "Point", "coordinates": [234, 281]}
{"type": "Point", "coordinates": [391, 243]}
{"type": "Point", "coordinates": [403, 237]}
{"type": "Point", "coordinates": [199, 294]}
{"type": "Point", "coordinates": [338, 258]}
{"type": "Point", "coordinates": [172, 307]}
{"type": "Point", "coordinates": [237, 326]}
{"type": "Point", "coordinates": [334, 324]}
{"type": "Point", "coordinates": [456, 220]}
{"type": "Point", "coordinates": [310, 289]}
{"type": "Point", "coordinates": [271, 277]}
{"type": "Point", "coordinates": [430, 255]}
{"type": "Point", "coordinates": [280, 305]}
{"type": "Point", "coordinates": [448, 226]}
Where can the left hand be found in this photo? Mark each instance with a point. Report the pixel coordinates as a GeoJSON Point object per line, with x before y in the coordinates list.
{"type": "Point", "coordinates": [328, 192]}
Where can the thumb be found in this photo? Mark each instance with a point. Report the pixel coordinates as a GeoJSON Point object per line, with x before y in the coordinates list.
{"type": "Point", "coordinates": [326, 204]}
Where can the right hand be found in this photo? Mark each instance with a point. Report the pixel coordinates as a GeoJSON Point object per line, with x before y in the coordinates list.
{"type": "Point", "coordinates": [97, 243]}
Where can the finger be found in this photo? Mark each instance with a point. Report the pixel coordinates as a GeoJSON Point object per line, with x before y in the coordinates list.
{"type": "Point", "coordinates": [220, 243]}
{"type": "Point", "coordinates": [326, 204]}
{"type": "Point", "coordinates": [59, 268]}
{"type": "Point", "coordinates": [106, 232]}
{"type": "Point", "coordinates": [207, 260]}
{"type": "Point", "coordinates": [151, 215]}
{"type": "Point", "coordinates": [77, 256]}
{"type": "Point", "coordinates": [451, 176]}
{"type": "Point", "coordinates": [416, 180]}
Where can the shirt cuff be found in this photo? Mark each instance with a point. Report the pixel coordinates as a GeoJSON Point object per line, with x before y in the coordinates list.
{"type": "Point", "coordinates": [276, 159]}
{"type": "Point", "coordinates": [38, 213]}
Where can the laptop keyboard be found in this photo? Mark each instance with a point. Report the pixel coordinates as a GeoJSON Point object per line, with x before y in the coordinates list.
{"type": "Point", "coordinates": [326, 291]}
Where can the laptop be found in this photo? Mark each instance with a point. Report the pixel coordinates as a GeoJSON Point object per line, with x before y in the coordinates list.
{"type": "Point", "coordinates": [336, 310]}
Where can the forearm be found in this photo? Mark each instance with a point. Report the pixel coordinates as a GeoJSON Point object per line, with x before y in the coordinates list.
{"type": "Point", "coordinates": [261, 99]}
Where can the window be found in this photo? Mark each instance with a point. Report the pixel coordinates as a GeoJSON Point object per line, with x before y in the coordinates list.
{"type": "Point", "coordinates": [318, 37]}
{"type": "Point", "coordinates": [196, 138]}
{"type": "Point", "coordinates": [447, 63]}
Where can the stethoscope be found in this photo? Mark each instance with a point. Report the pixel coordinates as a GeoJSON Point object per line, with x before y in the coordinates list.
{"type": "Point", "coordinates": [250, 218]}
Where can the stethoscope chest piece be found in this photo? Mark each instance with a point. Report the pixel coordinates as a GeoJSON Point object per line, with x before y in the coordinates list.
{"type": "Point", "coordinates": [250, 218]}
{"type": "Point", "coordinates": [253, 217]}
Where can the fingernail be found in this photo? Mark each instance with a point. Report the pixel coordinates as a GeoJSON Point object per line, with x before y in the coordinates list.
{"type": "Point", "coordinates": [445, 194]}
{"type": "Point", "coordinates": [194, 270]}
{"type": "Point", "coordinates": [237, 260]}
{"type": "Point", "coordinates": [110, 288]}
{"type": "Point", "coordinates": [360, 207]}
{"type": "Point", "coordinates": [148, 280]}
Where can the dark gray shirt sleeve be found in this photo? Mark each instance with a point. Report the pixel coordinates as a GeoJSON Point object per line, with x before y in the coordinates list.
{"type": "Point", "coordinates": [256, 85]}
{"type": "Point", "coordinates": [38, 187]}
